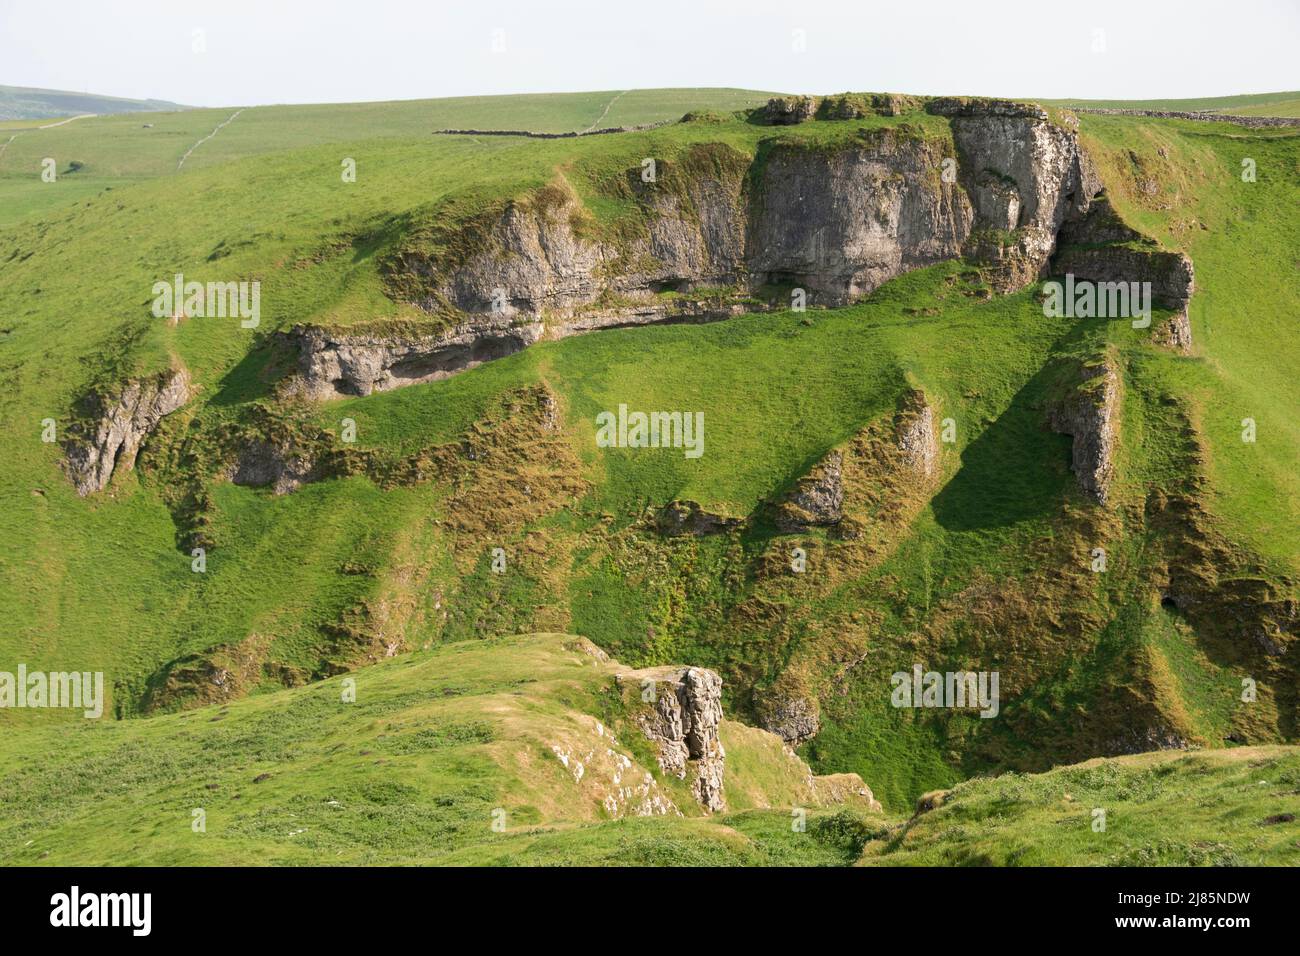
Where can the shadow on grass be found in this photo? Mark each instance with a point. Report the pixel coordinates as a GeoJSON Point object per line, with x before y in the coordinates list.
{"type": "Point", "coordinates": [1016, 470]}
{"type": "Point", "coordinates": [255, 375]}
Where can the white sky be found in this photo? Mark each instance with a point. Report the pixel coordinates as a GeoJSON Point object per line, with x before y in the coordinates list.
{"type": "Point", "coordinates": [277, 51]}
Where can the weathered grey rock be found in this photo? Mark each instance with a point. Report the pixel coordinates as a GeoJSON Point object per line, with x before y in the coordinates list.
{"type": "Point", "coordinates": [118, 424]}
{"type": "Point", "coordinates": [688, 518]}
{"type": "Point", "coordinates": [1026, 175]}
{"type": "Point", "coordinates": [263, 463]}
{"type": "Point", "coordinates": [1170, 273]}
{"type": "Point", "coordinates": [332, 364]}
{"type": "Point", "coordinates": [793, 719]}
{"type": "Point", "coordinates": [1175, 333]}
{"type": "Point", "coordinates": [839, 223]}
{"type": "Point", "coordinates": [536, 261]}
{"type": "Point", "coordinates": [1144, 740]}
{"type": "Point", "coordinates": [683, 723]}
{"type": "Point", "coordinates": [789, 110]}
{"type": "Point", "coordinates": [1090, 415]}
{"type": "Point", "coordinates": [836, 223]}
{"type": "Point", "coordinates": [817, 499]}
{"type": "Point", "coordinates": [916, 435]}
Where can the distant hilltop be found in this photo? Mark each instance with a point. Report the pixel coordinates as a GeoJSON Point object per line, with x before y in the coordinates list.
{"type": "Point", "coordinates": [23, 102]}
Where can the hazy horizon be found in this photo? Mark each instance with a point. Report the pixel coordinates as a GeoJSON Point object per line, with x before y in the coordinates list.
{"type": "Point", "coordinates": [240, 53]}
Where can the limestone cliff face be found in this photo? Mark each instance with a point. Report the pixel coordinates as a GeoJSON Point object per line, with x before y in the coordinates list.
{"type": "Point", "coordinates": [117, 425]}
{"type": "Point", "coordinates": [332, 364]}
{"type": "Point", "coordinates": [683, 723]}
{"type": "Point", "coordinates": [1089, 413]}
{"type": "Point", "coordinates": [1100, 247]}
{"type": "Point", "coordinates": [841, 222]}
{"type": "Point", "coordinates": [836, 221]}
{"type": "Point", "coordinates": [1026, 176]}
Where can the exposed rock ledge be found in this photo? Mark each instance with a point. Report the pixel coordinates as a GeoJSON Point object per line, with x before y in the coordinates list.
{"type": "Point", "coordinates": [686, 710]}
{"type": "Point", "coordinates": [918, 440]}
{"type": "Point", "coordinates": [836, 223]}
{"type": "Point", "coordinates": [816, 500]}
{"type": "Point", "coordinates": [332, 364]}
{"type": "Point", "coordinates": [794, 719]}
{"type": "Point", "coordinates": [1102, 248]}
{"type": "Point", "coordinates": [114, 426]}
{"type": "Point", "coordinates": [679, 518]}
{"type": "Point", "coordinates": [1090, 415]}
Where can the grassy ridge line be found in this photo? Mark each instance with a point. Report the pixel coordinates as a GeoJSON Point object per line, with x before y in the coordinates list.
{"type": "Point", "coordinates": [435, 743]}
{"type": "Point", "coordinates": [115, 150]}
{"type": "Point", "coordinates": [1256, 103]}
{"type": "Point", "coordinates": [413, 771]}
{"type": "Point", "coordinates": [1208, 808]}
{"type": "Point", "coordinates": [1243, 242]}
{"type": "Point", "coordinates": [24, 102]}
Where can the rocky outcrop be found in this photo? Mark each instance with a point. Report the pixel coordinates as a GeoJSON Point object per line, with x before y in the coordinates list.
{"type": "Point", "coordinates": [678, 518]}
{"type": "Point", "coordinates": [113, 426]}
{"type": "Point", "coordinates": [1101, 247]}
{"type": "Point", "coordinates": [336, 363]}
{"type": "Point", "coordinates": [793, 719]}
{"type": "Point", "coordinates": [849, 106]}
{"type": "Point", "coordinates": [789, 110]}
{"type": "Point", "coordinates": [841, 222]}
{"type": "Point", "coordinates": [1089, 413]}
{"type": "Point", "coordinates": [916, 435]}
{"type": "Point", "coordinates": [1145, 740]}
{"type": "Point", "coordinates": [1175, 333]}
{"type": "Point", "coordinates": [683, 721]}
{"type": "Point", "coordinates": [265, 463]}
{"type": "Point", "coordinates": [816, 500]}
{"type": "Point", "coordinates": [538, 255]}
{"type": "Point", "coordinates": [1027, 176]}
{"type": "Point", "coordinates": [836, 222]}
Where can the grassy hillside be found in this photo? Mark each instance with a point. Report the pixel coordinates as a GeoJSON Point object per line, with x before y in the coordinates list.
{"type": "Point", "coordinates": [25, 102]}
{"type": "Point", "coordinates": [1248, 104]}
{"type": "Point", "coordinates": [989, 567]}
{"type": "Point", "coordinates": [1223, 808]}
{"type": "Point", "coordinates": [112, 151]}
{"type": "Point", "coordinates": [440, 745]}
{"type": "Point", "coordinates": [433, 751]}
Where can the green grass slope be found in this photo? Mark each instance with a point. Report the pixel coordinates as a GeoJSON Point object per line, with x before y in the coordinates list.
{"type": "Point", "coordinates": [1247, 104]}
{"type": "Point", "coordinates": [25, 102]}
{"type": "Point", "coordinates": [116, 150]}
{"type": "Point", "coordinates": [989, 567]}
{"type": "Point", "coordinates": [1222, 808]}
{"type": "Point", "coordinates": [449, 756]}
